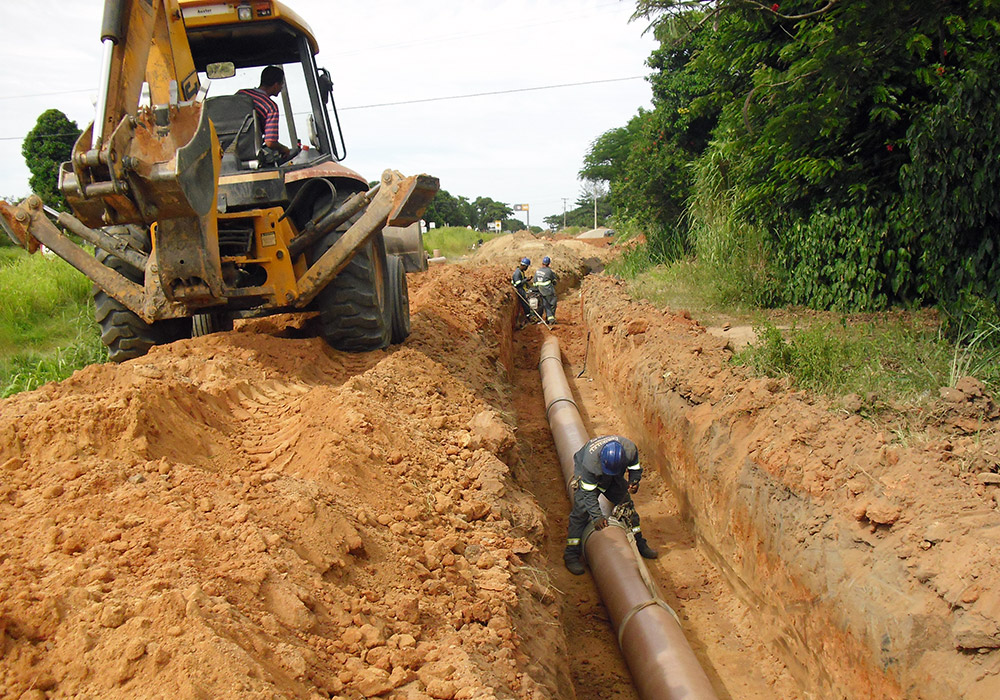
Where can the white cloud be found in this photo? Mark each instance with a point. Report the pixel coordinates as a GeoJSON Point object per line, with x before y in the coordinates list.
{"type": "Point", "coordinates": [518, 147]}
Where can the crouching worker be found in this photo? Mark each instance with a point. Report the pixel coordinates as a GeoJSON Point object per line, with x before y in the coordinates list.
{"type": "Point", "coordinates": [608, 465]}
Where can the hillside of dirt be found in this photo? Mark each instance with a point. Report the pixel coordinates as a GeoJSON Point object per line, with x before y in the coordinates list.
{"type": "Point", "coordinates": [572, 259]}
{"type": "Point", "coordinates": [254, 515]}
{"type": "Point", "coordinates": [873, 558]}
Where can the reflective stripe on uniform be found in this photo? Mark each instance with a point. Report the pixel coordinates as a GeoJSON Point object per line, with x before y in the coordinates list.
{"type": "Point", "coordinates": [543, 283]}
{"type": "Point", "coordinates": [587, 487]}
{"type": "Point", "coordinates": [635, 467]}
{"type": "Point", "coordinates": [573, 540]}
{"type": "Point", "coordinates": [635, 530]}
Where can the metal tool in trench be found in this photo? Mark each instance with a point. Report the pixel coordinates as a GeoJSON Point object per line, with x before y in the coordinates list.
{"type": "Point", "coordinates": [533, 310]}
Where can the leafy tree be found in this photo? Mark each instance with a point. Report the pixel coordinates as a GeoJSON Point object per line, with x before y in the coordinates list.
{"type": "Point", "coordinates": [607, 155]}
{"type": "Point", "coordinates": [487, 210]}
{"type": "Point", "coordinates": [582, 214]}
{"type": "Point", "coordinates": [45, 147]}
{"type": "Point", "coordinates": [647, 162]}
{"type": "Point", "coordinates": [858, 140]}
{"type": "Point", "coordinates": [447, 210]}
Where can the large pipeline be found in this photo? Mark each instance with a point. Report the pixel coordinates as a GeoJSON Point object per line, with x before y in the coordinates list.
{"type": "Point", "coordinates": [662, 664]}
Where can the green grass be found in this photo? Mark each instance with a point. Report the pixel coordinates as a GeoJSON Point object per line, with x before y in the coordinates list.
{"type": "Point", "coordinates": [454, 241]}
{"type": "Point", "coordinates": [885, 361]}
{"type": "Point", "coordinates": [709, 291]}
{"type": "Point", "coordinates": [893, 359]}
{"type": "Point", "coordinates": [46, 321]}
{"type": "Point", "coordinates": [10, 255]}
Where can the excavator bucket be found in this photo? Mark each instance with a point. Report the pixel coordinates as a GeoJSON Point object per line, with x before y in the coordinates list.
{"type": "Point", "coordinates": [412, 199]}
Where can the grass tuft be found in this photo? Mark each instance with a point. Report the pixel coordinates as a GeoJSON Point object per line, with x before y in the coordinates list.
{"type": "Point", "coordinates": [885, 362]}
{"type": "Point", "coordinates": [47, 330]}
{"type": "Point", "coordinates": [454, 241]}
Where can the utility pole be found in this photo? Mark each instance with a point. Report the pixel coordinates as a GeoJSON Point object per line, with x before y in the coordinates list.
{"type": "Point", "coordinates": [564, 212]}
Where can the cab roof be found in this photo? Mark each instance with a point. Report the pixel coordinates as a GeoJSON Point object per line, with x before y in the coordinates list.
{"type": "Point", "coordinates": [269, 33]}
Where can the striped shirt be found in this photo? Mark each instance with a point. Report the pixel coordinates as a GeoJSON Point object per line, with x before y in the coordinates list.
{"type": "Point", "coordinates": [267, 110]}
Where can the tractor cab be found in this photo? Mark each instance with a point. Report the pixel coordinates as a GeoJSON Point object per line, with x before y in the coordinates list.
{"type": "Point", "coordinates": [230, 45]}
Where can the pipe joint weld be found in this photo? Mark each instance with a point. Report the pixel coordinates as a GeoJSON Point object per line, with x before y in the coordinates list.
{"type": "Point", "coordinates": [642, 606]}
{"type": "Point", "coordinates": [558, 358]}
{"type": "Point", "coordinates": [561, 398]}
{"type": "Point", "coordinates": [590, 530]}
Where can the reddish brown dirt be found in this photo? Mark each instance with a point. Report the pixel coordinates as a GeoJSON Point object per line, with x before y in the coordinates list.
{"type": "Point", "coordinates": [254, 515]}
{"type": "Point", "coordinates": [871, 559]}
{"type": "Point", "coordinates": [719, 626]}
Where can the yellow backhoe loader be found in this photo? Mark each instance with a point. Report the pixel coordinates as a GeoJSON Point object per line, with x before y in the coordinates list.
{"type": "Point", "coordinates": [194, 219]}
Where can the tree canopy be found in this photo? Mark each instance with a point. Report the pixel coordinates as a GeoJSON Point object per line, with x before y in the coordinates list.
{"type": "Point", "coordinates": [45, 147]}
{"type": "Point", "coordinates": [448, 210]}
{"type": "Point", "coordinates": [856, 143]}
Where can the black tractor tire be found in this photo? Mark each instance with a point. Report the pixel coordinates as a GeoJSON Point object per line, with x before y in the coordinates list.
{"type": "Point", "coordinates": [125, 334]}
{"type": "Point", "coordinates": [355, 311]}
{"type": "Point", "coordinates": [399, 297]}
{"type": "Point", "coordinates": [211, 322]}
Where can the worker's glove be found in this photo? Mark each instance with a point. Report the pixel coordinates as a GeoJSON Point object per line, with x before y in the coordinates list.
{"type": "Point", "coordinates": [624, 512]}
{"type": "Point", "coordinates": [600, 523]}
{"type": "Point", "coordinates": [294, 151]}
{"type": "Point", "coordinates": [268, 157]}
{"type": "Point", "coordinates": [633, 487]}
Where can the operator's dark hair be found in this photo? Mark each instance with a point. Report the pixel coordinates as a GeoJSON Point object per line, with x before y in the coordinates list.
{"type": "Point", "coordinates": [271, 75]}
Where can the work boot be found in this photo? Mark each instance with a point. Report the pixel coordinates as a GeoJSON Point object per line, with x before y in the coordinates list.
{"type": "Point", "coordinates": [571, 556]}
{"type": "Point", "coordinates": [552, 320]}
{"type": "Point", "coordinates": [575, 566]}
{"type": "Point", "coordinates": [645, 550]}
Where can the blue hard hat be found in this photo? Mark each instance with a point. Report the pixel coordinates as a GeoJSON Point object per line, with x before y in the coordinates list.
{"type": "Point", "coordinates": [525, 261]}
{"type": "Point", "coordinates": [546, 260]}
{"type": "Point", "coordinates": [613, 458]}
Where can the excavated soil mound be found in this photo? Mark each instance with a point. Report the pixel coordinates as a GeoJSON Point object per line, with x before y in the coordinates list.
{"type": "Point", "coordinates": [255, 515]}
{"type": "Point", "coordinates": [571, 259]}
{"type": "Point", "coordinates": [872, 559]}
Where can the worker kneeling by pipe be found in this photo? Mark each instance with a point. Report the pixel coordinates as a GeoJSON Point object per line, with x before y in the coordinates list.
{"type": "Point", "coordinates": [606, 465]}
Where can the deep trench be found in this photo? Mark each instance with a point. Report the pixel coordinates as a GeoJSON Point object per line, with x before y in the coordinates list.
{"type": "Point", "coordinates": [721, 628]}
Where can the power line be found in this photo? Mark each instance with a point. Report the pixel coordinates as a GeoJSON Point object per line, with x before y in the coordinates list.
{"type": "Point", "coordinates": [426, 99]}
{"type": "Point", "coordinates": [495, 92]}
{"type": "Point", "coordinates": [38, 136]}
{"type": "Point", "coordinates": [44, 94]}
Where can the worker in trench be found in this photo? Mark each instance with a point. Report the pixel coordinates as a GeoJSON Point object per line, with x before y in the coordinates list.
{"type": "Point", "coordinates": [545, 283]}
{"type": "Point", "coordinates": [521, 284]}
{"type": "Point", "coordinates": [608, 465]}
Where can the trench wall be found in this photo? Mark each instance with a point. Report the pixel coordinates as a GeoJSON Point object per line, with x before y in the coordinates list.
{"type": "Point", "coordinates": [839, 606]}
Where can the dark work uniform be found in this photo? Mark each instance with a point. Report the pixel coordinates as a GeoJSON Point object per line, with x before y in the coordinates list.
{"type": "Point", "coordinates": [520, 283]}
{"type": "Point", "coordinates": [593, 482]}
{"type": "Point", "coordinates": [545, 283]}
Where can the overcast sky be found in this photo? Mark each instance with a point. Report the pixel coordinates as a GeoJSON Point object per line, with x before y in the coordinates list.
{"type": "Point", "coordinates": [516, 147]}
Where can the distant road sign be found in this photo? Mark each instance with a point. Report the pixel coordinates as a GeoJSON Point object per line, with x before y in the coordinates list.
{"type": "Point", "coordinates": [520, 207]}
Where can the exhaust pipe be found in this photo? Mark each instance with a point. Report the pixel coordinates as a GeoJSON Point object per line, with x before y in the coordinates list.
{"type": "Point", "coordinates": [662, 664]}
